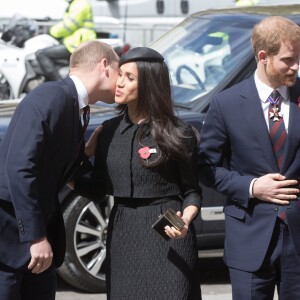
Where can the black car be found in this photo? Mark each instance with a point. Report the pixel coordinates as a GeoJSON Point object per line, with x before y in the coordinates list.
{"type": "Point", "coordinates": [206, 53]}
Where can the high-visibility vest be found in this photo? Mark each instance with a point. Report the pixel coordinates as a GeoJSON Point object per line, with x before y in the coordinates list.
{"type": "Point", "coordinates": [76, 26]}
{"type": "Point", "coordinates": [246, 2]}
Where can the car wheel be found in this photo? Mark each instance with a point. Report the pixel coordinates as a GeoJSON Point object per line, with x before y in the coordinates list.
{"type": "Point", "coordinates": [86, 231]}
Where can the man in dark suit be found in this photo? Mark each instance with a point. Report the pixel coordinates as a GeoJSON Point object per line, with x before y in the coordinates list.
{"type": "Point", "coordinates": [250, 151]}
{"type": "Point", "coordinates": [41, 148]}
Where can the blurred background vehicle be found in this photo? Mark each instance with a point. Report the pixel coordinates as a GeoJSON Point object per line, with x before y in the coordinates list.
{"type": "Point", "coordinates": [20, 71]}
{"type": "Point", "coordinates": [121, 23]}
{"type": "Point", "coordinates": [136, 22]}
{"type": "Point", "coordinates": [206, 53]}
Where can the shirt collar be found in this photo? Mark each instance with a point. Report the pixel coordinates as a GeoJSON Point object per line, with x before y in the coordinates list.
{"type": "Point", "coordinates": [264, 90]}
{"type": "Point", "coordinates": [83, 98]}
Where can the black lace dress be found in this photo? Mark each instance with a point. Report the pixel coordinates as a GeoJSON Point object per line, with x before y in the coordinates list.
{"type": "Point", "coordinates": [140, 263]}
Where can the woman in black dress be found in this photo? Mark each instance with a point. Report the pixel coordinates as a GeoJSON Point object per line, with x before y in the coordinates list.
{"type": "Point", "coordinates": [146, 159]}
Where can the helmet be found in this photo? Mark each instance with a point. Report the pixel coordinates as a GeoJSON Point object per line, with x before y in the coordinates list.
{"type": "Point", "coordinates": [19, 30]}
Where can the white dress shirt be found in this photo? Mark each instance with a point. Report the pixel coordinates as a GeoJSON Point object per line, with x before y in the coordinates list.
{"type": "Point", "coordinates": [83, 98]}
{"type": "Point", "coordinates": [264, 92]}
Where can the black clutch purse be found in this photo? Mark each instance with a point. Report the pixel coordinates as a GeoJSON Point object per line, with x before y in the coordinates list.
{"type": "Point", "coordinates": [168, 218]}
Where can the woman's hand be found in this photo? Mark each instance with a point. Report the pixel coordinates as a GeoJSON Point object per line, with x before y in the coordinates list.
{"type": "Point", "coordinates": [174, 233]}
{"type": "Point", "coordinates": [189, 214]}
{"type": "Point", "coordinates": [91, 144]}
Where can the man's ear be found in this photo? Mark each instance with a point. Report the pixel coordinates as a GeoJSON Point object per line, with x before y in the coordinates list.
{"type": "Point", "coordinates": [105, 66]}
{"type": "Point", "coordinates": [262, 57]}
{"type": "Point", "coordinates": [104, 62]}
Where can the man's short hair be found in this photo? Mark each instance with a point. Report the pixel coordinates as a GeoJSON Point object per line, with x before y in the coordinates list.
{"type": "Point", "coordinates": [269, 33]}
{"type": "Point", "coordinates": [88, 54]}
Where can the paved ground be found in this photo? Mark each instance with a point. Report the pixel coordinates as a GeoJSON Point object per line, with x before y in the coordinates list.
{"type": "Point", "coordinates": [76, 296]}
{"type": "Point", "coordinates": [214, 280]}
{"type": "Point", "coordinates": [209, 292]}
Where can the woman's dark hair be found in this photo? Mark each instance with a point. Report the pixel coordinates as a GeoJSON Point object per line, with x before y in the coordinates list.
{"type": "Point", "coordinates": [155, 100]}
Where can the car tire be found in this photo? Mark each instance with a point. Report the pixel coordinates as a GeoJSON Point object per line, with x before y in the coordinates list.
{"type": "Point", "coordinates": [86, 229]}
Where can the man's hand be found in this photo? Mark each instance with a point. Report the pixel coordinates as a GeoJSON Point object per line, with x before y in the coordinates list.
{"type": "Point", "coordinates": [275, 188]}
{"type": "Point", "coordinates": [91, 144]}
{"type": "Point", "coordinates": [41, 255]}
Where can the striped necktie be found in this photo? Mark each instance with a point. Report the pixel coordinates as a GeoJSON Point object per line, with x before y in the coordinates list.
{"type": "Point", "coordinates": [276, 126]}
{"type": "Point", "coordinates": [85, 119]}
{"type": "Point", "coordinates": [278, 136]}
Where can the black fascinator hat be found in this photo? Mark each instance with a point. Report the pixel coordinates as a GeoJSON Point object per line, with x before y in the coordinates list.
{"type": "Point", "coordinates": [141, 54]}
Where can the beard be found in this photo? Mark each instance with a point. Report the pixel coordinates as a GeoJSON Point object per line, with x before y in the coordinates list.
{"type": "Point", "coordinates": [288, 79]}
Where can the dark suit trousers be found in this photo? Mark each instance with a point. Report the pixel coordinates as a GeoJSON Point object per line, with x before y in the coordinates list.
{"type": "Point", "coordinates": [280, 268]}
{"type": "Point", "coordinates": [23, 285]}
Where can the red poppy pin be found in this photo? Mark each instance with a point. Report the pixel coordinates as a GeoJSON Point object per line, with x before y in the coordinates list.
{"type": "Point", "coordinates": [145, 152]}
{"type": "Point", "coordinates": [299, 102]}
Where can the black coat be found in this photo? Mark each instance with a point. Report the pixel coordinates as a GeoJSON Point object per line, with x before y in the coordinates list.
{"type": "Point", "coordinates": [118, 170]}
{"type": "Point", "coordinates": [40, 145]}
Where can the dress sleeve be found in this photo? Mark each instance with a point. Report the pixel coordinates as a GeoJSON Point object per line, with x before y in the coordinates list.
{"type": "Point", "coordinates": [188, 172]}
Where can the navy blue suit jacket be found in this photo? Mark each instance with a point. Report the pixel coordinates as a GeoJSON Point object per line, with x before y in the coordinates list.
{"type": "Point", "coordinates": [40, 145]}
{"type": "Point", "coordinates": [235, 135]}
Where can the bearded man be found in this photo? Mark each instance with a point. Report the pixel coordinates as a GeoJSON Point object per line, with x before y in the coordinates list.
{"type": "Point", "coordinates": [250, 151]}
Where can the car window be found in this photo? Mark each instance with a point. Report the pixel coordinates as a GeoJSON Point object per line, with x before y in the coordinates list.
{"type": "Point", "coordinates": [203, 52]}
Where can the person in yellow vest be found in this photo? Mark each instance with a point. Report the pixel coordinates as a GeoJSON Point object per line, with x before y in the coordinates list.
{"type": "Point", "coordinates": [246, 2]}
{"type": "Point", "coordinates": [76, 27]}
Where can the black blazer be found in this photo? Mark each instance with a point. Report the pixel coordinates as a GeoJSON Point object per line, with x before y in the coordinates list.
{"type": "Point", "coordinates": [235, 130]}
{"type": "Point", "coordinates": [118, 170]}
{"type": "Point", "coordinates": [40, 145]}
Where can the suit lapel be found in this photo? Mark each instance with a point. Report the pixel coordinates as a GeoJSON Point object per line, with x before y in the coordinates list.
{"type": "Point", "coordinates": [71, 93]}
{"type": "Point", "coordinates": [293, 137]}
{"type": "Point", "coordinates": [254, 116]}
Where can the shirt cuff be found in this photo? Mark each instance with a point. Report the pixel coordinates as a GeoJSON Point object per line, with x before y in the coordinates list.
{"type": "Point", "coordinates": [251, 188]}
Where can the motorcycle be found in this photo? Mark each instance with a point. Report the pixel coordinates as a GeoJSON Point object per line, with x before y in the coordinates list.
{"type": "Point", "coordinates": [20, 72]}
